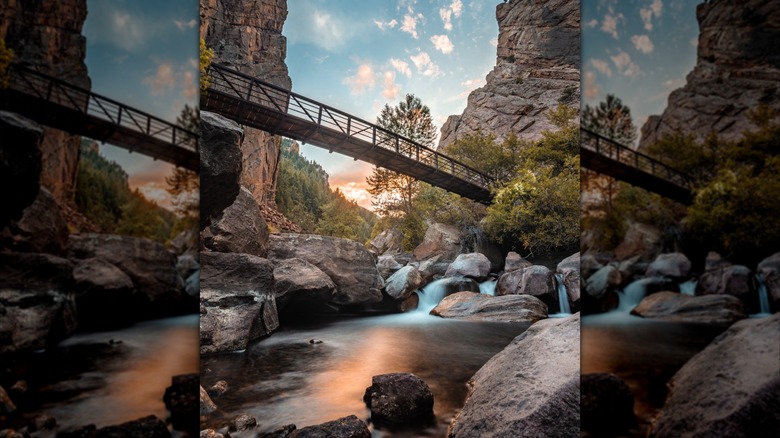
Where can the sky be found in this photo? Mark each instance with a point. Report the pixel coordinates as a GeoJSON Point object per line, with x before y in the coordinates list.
{"type": "Point", "coordinates": [638, 50]}
{"type": "Point", "coordinates": [359, 56]}
{"type": "Point", "coordinates": [144, 53]}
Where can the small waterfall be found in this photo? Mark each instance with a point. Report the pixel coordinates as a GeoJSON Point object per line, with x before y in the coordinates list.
{"type": "Point", "coordinates": [488, 287]}
{"type": "Point", "coordinates": [688, 287]}
{"type": "Point", "coordinates": [431, 295]}
{"type": "Point", "coordinates": [763, 295]}
{"type": "Point", "coordinates": [632, 294]}
{"type": "Point", "coordinates": [563, 297]}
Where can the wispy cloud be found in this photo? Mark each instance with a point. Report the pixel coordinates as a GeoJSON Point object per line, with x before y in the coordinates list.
{"type": "Point", "coordinates": [624, 64]}
{"type": "Point", "coordinates": [326, 29]}
{"type": "Point", "coordinates": [391, 89]}
{"type": "Point", "coordinates": [592, 89]}
{"type": "Point", "coordinates": [183, 25]}
{"type": "Point", "coordinates": [424, 65]}
{"type": "Point", "coordinates": [410, 25]}
{"type": "Point", "coordinates": [386, 24]}
{"type": "Point", "coordinates": [653, 10]}
{"type": "Point", "coordinates": [610, 24]}
{"type": "Point", "coordinates": [453, 9]}
{"type": "Point", "coordinates": [162, 79]}
{"type": "Point", "coordinates": [401, 66]}
{"type": "Point", "coordinates": [642, 43]}
{"type": "Point", "coordinates": [601, 66]}
{"type": "Point", "coordinates": [592, 23]}
{"type": "Point", "coordinates": [442, 43]}
{"type": "Point", "coordinates": [363, 80]}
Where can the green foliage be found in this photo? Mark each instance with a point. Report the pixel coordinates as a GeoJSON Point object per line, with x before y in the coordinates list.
{"type": "Point", "coordinates": [184, 184]}
{"type": "Point", "coordinates": [612, 119]}
{"type": "Point", "coordinates": [6, 58]}
{"type": "Point", "coordinates": [341, 218]}
{"type": "Point", "coordinates": [206, 58]}
{"type": "Point", "coordinates": [500, 161]}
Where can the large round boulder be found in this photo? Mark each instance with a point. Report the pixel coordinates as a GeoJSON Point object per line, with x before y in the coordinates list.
{"type": "Point", "coordinates": [301, 286]}
{"type": "Point", "coordinates": [474, 265]}
{"type": "Point", "coordinates": [220, 164]}
{"type": "Point", "coordinates": [401, 284]}
{"type": "Point", "coordinates": [41, 229]}
{"type": "Point", "coordinates": [640, 240]}
{"type": "Point", "coordinates": [388, 241]}
{"type": "Point", "coordinates": [673, 265]}
{"type": "Point", "coordinates": [442, 240]}
{"type": "Point", "coordinates": [398, 399]}
{"type": "Point", "coordinates": [387, 265]}
{"type": "Point", "coordinates": [536, 280]}
{"type": "Point", "coordinates": [238, 228]}
{"type": "Point", "coordinates": [735, 280]}
{"type": "Point", "coordinates": [673, 306]}
{"type": "Point", "coordinates": [105, 296]}
{"type": "Point", "coordinates": [474, 306]}
{"type": "Point", "coordinates": [515, 261]}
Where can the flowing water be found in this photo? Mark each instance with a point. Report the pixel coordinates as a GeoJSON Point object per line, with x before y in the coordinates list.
{"type": "Point", "coordinates": [107, 378]}
{"type": "Point", "coordinates": [563, 299]}
{"type": "Point", "coordinates": [488, 287]}
{"type": "Point", "coordinates": [286, 379]}
{"type": "Point", "coordinates": [688, 287]}
{"type": "Point", "coordinates": [763, 297]}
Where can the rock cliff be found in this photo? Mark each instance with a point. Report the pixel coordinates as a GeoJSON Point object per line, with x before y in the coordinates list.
{"type": "Point", "coordinates": [537, 68]}
{"type": "Point", "coordinates": [737, 68]}
{"type": "Point", "coordinates": [47, 35]}
{"type": "Point", "coordinates": [247, 35]}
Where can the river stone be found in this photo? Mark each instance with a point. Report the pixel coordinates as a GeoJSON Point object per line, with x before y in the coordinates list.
{"type": "Point", "coordinates": [207, 406]}
{"type": "Point", "coordinates": [243, 422]}
{"type": "Point", "coordinates": [434, 267]}
{"type": "Point", "coordinates": [530, 389]}
{"type": "Point", "coordinates": [536, 280]}
{"type": "Point", "coordinates": [20, 164]}
{"type": "Point", "coordinates": [769, 269]}
{"type": "Point", "coordinates": [607, 404]}
{"type": "Point", "coordinates": [735, 280]}
{"type": "Point", "coordinates": [589, 264]}
{"type": "Point", "coordinates": [729, 389]}
{"type": "Point", "coordinates": [474, 265]}
{"type": "Point", "coordinates": [674, 265]}
{"type": "Point", "coordinates": [239, 228]}
{"type": "Point", "coordinates": [106, 294]}
{"type": "Point", "coordinates": [147, 427]}
{"type": "Point", "coordinates": [218, 388]}
{"type": "Point", "coordinates": [211, 433]}
{"type": "Point", "coordinates": [569, 269]}
{"type": "Point", "coordinates": [301, 286]}
{"type": "Point", "coordinates": [37, 306]}
{"type": "Point", "coordinates": [351, 427]}
{"type": "Point", "coordinates": [474, 306]}
{"type": "Point", "coordinates": [398, 399]}
{"type": "Point", "coordinates": [237, 301]}
{"type": "Point", "coordinates": [220, 164]}
{"type": "Point", "coordinates": [282, 432]}
{"type": "Point", "coordinates": [514, 262]}
{"type": "Point", "coordinates": [182, 400]}
{"type": "Point", "coordinates": [387, 265]}
{"type": "Point", "coordinates": [349, 264]}
{"type": "Point", "coordinates": [673, 306]}
{"type": "Point", "coordinates": [187, 264]}
{"type": "Point", "coordinates": [401, 284]}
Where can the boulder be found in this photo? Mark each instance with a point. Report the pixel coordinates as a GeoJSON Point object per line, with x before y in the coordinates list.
{"type": "Point", "coordinates": [239, 228]}
{"type": "Point", "coordinates": [398, 399]}
{"type": "Point", "coordinates": [150, 266]}
{"type": "Point", "coordinates": [536, 280]}
{"type": "Point", "coordinates": [589, 264]}
{"type": "Point", "coordinates": [452, 285]}
{"type": "Point", "coordinates": [569, 271]}
{"type": "Point", "coordinates": [106, 295]}
{"type": "Point", "coordinates": [41, 229]}
{"type": "Point", "coordinates": [731, 388]}
{"type": "Point", "coordinates": [42, 423]}
{"type": "Point", "coordinates": [183, 401]}
{"type": "Point", "coordinates": [530, 389]}
{"type": "Point", "coordinates": [410, 303]}
{"type": "Point", "coordinates": [37, 306]}
{"type": "Point", "coordinates": [218, 388]}
{"type": "Point", "coordinates": [401, 284]}
{"type": "Point", "coordinates": [301, 286]}
{"type": "Point", "coordinates": [242, 422]}
{"type": "Point", "coordinates": [474, 265]}
{"type": "Point", "coordinates": [715, 261]}
{"type": "Point", "coordinates": [185, 242]}
{"type": "Point", "coordinates": [642, 240]}
{"type": "Point", "coordinates": [475, 240]}
{"type": "Point", "coordinates": [350, 426]}
{"type": "Point", "coordinates": [673, 306]}
{"type": "Point", "coordinates": [735, 280]}
{"type": "Point", "coordinates": [349, 264]}
{"type": "Point", "coordinates": [207, 406]}
{"type": "Point", "coordinates": [442, 240]}
{"type": "Point", "coordinates": [607, 404]}
{"type": "Point", "coordinates": [220, 164]}
{"type": "Point", "coordinates": [387, 265]}
{"type": "Point", "coordinates": [434, 267]}
{"type": "Point", "coordinates": [769, 269]}
{"type": "Point", "coordinates": [602, 282]}
{"type": "Point", "coordinates": [515, 261]}
{"type": "Point", "coordinates": [20, 164]}
{"type": "Point", "coordinates": [387, 242]}
{"type": "Point", "coordinates": [237, 301]}
{"type": "Point", "coordinates": [147, 427]}
{"type": "Point", "coordinates": [187, 264]}
{"type": "Point", "coordinates": [673, 265]}
{"type": "Point", "coordinates": [474, 306]}
{"type": "Point", "coordinates": [285, 431]}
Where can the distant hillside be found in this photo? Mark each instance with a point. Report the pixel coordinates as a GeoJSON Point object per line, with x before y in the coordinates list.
{"type": "Point", "coordinates": [104, 196]}
{"type": "Point", "coordinates": [304, 196]}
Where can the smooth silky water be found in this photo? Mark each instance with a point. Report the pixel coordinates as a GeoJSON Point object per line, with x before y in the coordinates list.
{"type": "Point", "coordinates": [88, 379]}
{"type": "Point", "coordinates": [285, 379]}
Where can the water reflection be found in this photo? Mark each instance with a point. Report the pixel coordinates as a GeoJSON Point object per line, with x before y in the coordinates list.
{"type": "Point", "coordinates": [285, 379]}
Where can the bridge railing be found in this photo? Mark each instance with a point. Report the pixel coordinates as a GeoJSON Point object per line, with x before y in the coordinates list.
{"type": "Point", "coordinates": [64, 94]}
{"type": "Point", "coordinates": [253, 90]}
{"type": "Point", "coordinates": [623, 154]}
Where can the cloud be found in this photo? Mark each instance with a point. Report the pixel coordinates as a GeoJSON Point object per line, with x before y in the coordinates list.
{"type": "Point", "coordinates": [386, 24]}
{"type": "Point", "coordinates": [110, 25]}
{"type": "Point", "coordinates": [410, 23]}
{"type": "Point", "coordinates": [602, 67]}
{"type": "Point", "coordinates": [494, 42]}
{"type": "Point", "coordinates": [446, 17]}
{"type": "Point", "coordinates": [162, 79]}
{"type": "Point", "coordinates": [325, 29]}
{"type": "Point", "coordinates": [642, 43]}
{"type": "Point", "coordinates": [610, 23]}
{"type": "Point", "coordinates": [442, 43]}
{"type": "Point", "coordinates": [364, 79]}
{"type": "Point", "coordinates": [592, 23]}
{"type": "Point", "coordinates": [592, 89]}
{"type": "Point", "coordinates": [694, 41]}
{"type": "Point", "coordinates": [424, 65]}
{"type": "Point", "coordinates": [624, 64]}
{"type": "Point", "coordinates": [190, 87]}
{"type": "Point", "coordinates": [401, 66]}
{"type": "Point", "coordinates": [654, 10]}
{"type": "Point", "coordinates": [182, 25]}
{"type": "Point", "coordinates": [457, 7]}
{"type": "Point", "coordinates": [391, 89]}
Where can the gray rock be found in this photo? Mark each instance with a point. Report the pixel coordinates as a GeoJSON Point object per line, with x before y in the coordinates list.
{"type": "Point", "coordinates": [20, 164]}
{"type": "Point", "coordinates": [529, 389]}
{"type": "Point", "coordinates": [41, 229]}
{"type": "Point", "coordinates": [350, 426]}
{"type": "Point", "coordinates": [474, 265]}
{"type": "Point", "coordinates": [147, 427]}
{"type": "Point", "coordinates": [401, 284]}
{"type": "Point", "coordinates": [301, 286]}
{"type": "Point", "coordinates": [480, 307]}
{"type": "Point", "coordinates": [440, 240]}
{"type": "Point", "coordinates": [387, 242]}
{"type": "Point", "coordinates": [536, 280]}
{"type": "Point", "coordinates": [731, 388]}
{"type": "Point", "coordinates": [220, 164]}
{"type": "Point", "coordinates": [673, 306]}
{"type": "Point", "coordinates": [387, 265]}
{"type": "Point", "coordinates": [239, 228]}
{"type": "Point", "coordinates": [642, 240]}
{"type": "Point", "coordinates": [243, 422]}
{"type": "Point", "coordinates": [514, 262]}
{"type": "Point", "coordinates": [673, 265]}
{"type": "Point", "coordinates": [607, 404]}
{"type": "Point", "coordinates": [218, 388]}
{"type": "Point", "coordinates": [237, 301]}
{"type": "Point", "coordinates": [398, 399]}
{"type": "Point", "coordinates": [183, 402]}
{"type": "Point", "coordinates": [769, 269]}
{"type": "Point", "coordinates": [714, 261]}
{"type": "Point", "coordinates": [187, 264]}
{"type": "Point", "coordinates": [736, 280]}
{"type": "Point", "coordinates": [105, 294]}
{"type": "Point", "coordinates": [434, 267]}
{"type": "Point", "coordinates": [569, 269]}
{"type": "Point", "coordinates": [206, 405]}
{"type": "Point", "coordinates": [605, 280]}
{"type": "Point", "coordinates": [349, 264]}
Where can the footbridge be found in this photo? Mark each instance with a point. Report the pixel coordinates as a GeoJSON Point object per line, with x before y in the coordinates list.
{"type": "Point", "coordinates": [259, 104]}
{"type": "Point", "coordinates": [61, 105]}
{"type": "Point", "coordinates": [610, 158]}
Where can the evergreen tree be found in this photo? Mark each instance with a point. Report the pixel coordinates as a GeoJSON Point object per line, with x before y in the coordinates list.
{"type": "Point", "coordinates": [611, 119]}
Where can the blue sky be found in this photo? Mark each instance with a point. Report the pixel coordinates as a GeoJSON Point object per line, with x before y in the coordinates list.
{"type": "Point", "coordinates": [358, 56]}
{"type": "Point", "coordinates": [144, 53]}
{"type": "Point", "coordinates": [638, 50]}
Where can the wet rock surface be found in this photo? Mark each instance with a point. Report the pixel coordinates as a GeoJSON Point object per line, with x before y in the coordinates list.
{"type": "Point", "coordinates": [398, 399]}
{"type": "Point", "coordinates": [480, 307]}
{"type": "Point", "coordinates": [710, 309]}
